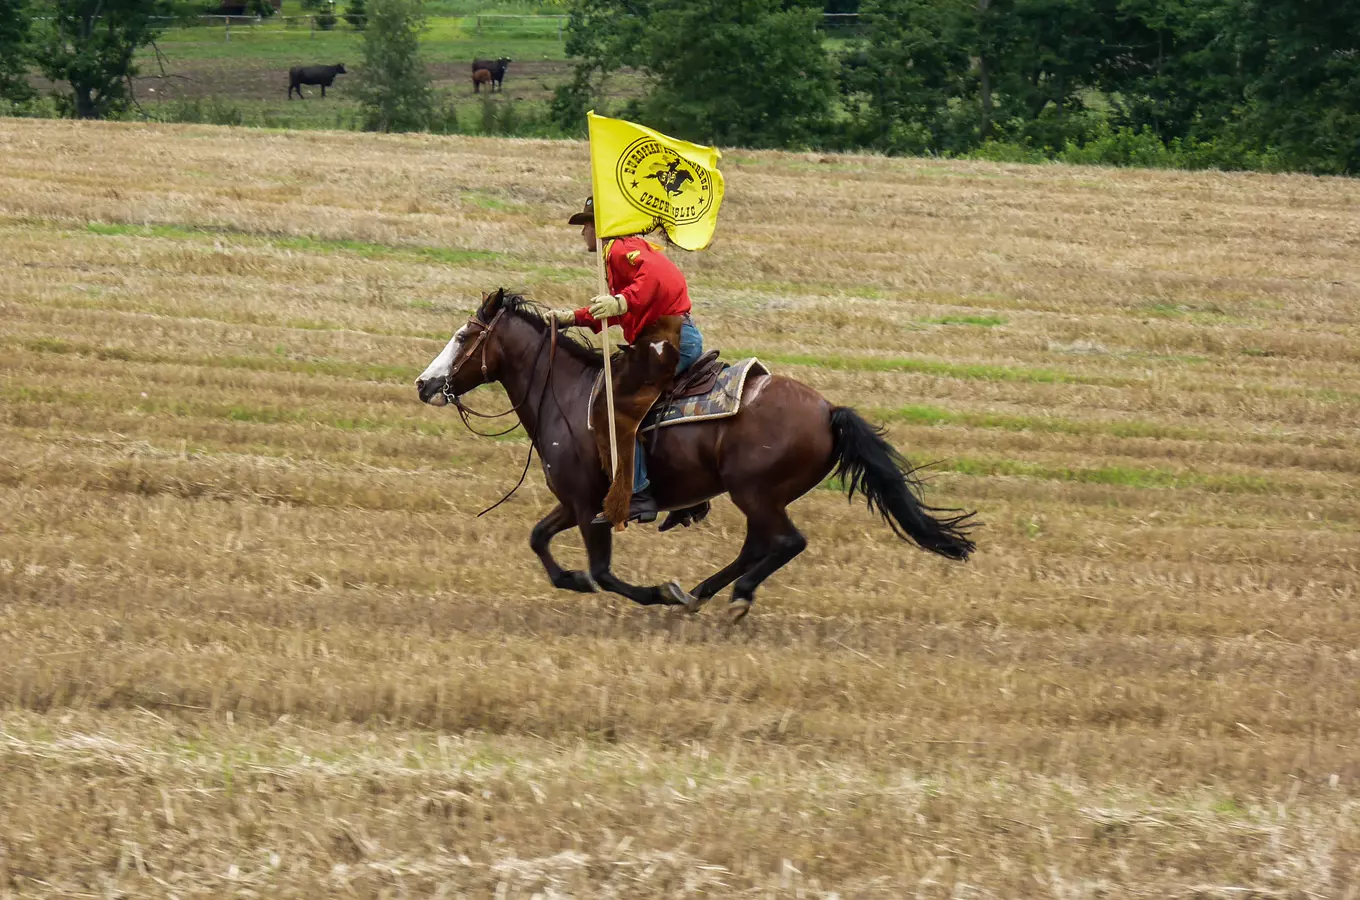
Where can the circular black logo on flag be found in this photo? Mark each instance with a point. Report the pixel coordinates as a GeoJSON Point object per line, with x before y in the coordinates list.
{"type": "Point", "coordinates": [662, 183]}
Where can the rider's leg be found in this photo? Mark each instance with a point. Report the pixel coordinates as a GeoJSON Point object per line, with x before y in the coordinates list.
{"type": "Point", "coordinates": [691, 345]}
{"type": "Point", "coordinates": [640, 480]}
{"type": "Point", "coordinates": [691, 348]}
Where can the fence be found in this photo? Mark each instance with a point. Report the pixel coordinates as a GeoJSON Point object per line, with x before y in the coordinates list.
{"type": "Point", "coordinates": [838, 25]}
{"type": "Point", "coordinates": [479, 24]}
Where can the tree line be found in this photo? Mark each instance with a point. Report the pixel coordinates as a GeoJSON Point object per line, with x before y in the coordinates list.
{"type": "Point", "coordinates": [1234, 84]}
{"type": "Point", "coordinates": [1259, 84]}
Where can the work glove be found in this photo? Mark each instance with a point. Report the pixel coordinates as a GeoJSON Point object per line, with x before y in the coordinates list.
{"type": "Point", "coordinates": [606, 307]}
{"type": "Point", "coordinates": [558, 316]}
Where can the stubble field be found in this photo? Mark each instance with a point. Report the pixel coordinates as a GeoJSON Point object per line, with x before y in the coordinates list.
{"type": "Point", "coordinates": [253, 641]}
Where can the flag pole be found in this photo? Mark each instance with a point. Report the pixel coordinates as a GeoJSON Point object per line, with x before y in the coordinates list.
{"type": "Point", "coordinates": [604, 324]}
{"type": "Point", "coordinates": [608, 373]}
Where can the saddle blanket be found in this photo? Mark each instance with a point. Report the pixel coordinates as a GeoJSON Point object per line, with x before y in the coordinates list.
{"type": "Point", "coordinates": [721, 401]}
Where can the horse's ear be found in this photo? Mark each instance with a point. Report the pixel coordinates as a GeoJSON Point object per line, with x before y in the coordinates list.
{"type": "Point", "coordinates": [488, 304]}
{"type": "Point", "coordinates": [500, 296]}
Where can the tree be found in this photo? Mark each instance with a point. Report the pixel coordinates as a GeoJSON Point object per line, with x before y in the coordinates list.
{"type": "Point", "coordinates": [394, 85]}
{"type": "Point", "coordinates": [1176, 72]}
{"type": "Point", "coordinates": [356, 15]}
{"type": "Point", "coordinates": [750, 73]}
{"type": "Point", "coordinates": [747, 74]}
{"type": "Point", "coordinates": [15, 26]}
{"type": "Point", "coordinates": [602, 36]}
{"type": "Point", "coordinates": [1043, 58]}
{"type": "Point", "coordinates": [91, 45]}
{"type": "Point", "coordinates": [944, 75]}
{"type": "Point", "coordinates": [325, 17]}
{"type": "Point", "coordinates": [1302, 61]}
{"type": "Point", "coordinates": [914, 71]}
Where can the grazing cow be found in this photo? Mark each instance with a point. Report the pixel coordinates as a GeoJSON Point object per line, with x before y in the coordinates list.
{"type": "Point", "coordinates": [322, 75]}
{"type": "Point", "coordinates": [495, 66]}
{"type": "Point", "coordinates": [479, 78]}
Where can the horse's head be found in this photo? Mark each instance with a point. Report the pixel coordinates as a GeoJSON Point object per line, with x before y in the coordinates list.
{"type": "Point", "coordinates": [471, 357]}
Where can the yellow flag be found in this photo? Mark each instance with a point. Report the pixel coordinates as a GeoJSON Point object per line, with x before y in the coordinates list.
{"type": "Point", "coordinates": [640, 179]}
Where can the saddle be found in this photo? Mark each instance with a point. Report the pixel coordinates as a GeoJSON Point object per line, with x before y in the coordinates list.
{"type": "Point", "coordinates": [695, 381]}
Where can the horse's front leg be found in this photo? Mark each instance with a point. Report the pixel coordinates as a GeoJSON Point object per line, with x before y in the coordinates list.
{"type": "Point", "coordinates": [600, 548]}
{"type": "Point", "coordinates": [551, 525]}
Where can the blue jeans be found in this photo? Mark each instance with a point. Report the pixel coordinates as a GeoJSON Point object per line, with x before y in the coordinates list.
{"type": "Point", "coordinates": [691, 348]}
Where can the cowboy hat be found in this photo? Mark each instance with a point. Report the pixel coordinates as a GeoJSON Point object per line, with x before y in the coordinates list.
{"type": "Point", "coordinates": [585, 216]}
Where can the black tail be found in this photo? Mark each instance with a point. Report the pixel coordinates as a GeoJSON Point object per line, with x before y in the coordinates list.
{"type": "Point", "coordinates": [867, 463]}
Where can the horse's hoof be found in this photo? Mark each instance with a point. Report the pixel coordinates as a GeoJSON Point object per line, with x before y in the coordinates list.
{"type": "Point", "coordinates": [577, 581]}
{"type": "Point", "coordinates": [678, 596]}
{"type": "Point", "coordinates": [737, 610]}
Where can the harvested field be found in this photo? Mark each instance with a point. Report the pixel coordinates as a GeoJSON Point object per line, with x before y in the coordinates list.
{"type": "Point", "coordinates": [253, 641]}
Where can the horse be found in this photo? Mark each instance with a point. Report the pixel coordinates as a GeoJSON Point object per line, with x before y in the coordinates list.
{"type": "Point", "coordinates": [479, 78]}
{"type": "Point", "coordinates": [785, 440]}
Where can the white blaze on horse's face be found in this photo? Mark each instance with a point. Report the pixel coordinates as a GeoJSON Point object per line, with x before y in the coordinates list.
{"type": "Point", "coordinates": [443, 365]}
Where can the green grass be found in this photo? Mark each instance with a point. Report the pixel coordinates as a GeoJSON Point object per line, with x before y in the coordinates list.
{"type": "Point", "coordinates": [1119, 476]}
{"type": "Point", "coordinates": [442, 255]}
{"type": "Point", "coordinates": [336, 113]}
{"type": "Point", "coordinates": [980, 321]}
{"type": "Point", "coordinates": [969, 371]}
{"type": "Point", "coordinates": [557, 274]}
{"type": "Point", "coordinates": [933, 415]}
{"type": "Point", "coordinates": [244, 413]}
{"type": "Point", "coordinates": [1151, 478]}
{"type": "Point", "coordinates": [446, 39]}
{"type": "Point", "coordinates": [1210, 314]}
{"type": "Point", "coordinates": [277, 363]}
{"type": "Point", "coordinates": [486, 201]}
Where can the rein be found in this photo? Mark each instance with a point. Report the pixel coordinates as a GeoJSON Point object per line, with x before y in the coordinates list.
{"type": "Point", "coordinates": [465, 413]}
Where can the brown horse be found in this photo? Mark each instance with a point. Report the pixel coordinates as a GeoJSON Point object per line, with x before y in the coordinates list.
{"type": "Point", "coordinates": [782, 443]}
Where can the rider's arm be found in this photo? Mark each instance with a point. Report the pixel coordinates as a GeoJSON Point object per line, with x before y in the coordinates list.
{"type": "Point", "coordinates": [639, 288]}
{"type": "Point", "coordinates": [585, 320]}
{"type": "Point", "coordinates": [631, 278]}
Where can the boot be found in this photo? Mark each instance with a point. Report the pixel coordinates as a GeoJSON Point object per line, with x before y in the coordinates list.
{"type": "Point", "coordinates": [641, 508]}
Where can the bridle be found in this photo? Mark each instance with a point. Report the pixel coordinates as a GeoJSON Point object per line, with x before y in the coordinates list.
{"type": "Point", "coordinates": [465, 413]}
{"type": "Point", "coordinates": [484, 330]}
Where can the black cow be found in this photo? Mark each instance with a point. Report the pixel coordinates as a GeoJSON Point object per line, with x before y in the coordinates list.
{"type": "Point", "coordinates": [322, 75]}
{"type": "Point", "coordinates": [495, 66]}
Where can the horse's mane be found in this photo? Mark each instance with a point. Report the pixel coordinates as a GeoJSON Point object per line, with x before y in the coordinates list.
{"type": "Point", "coordinates": [528, 310]}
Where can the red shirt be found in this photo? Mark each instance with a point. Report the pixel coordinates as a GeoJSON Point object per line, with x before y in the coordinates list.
{"type": "Point", "coordinates": [647, 279]}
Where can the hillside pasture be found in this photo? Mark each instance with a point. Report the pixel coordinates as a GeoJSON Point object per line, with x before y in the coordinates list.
{"type": "Point", "coordinates": [239, 75]}
{"type": "Point", "coordinates": [254, 642]}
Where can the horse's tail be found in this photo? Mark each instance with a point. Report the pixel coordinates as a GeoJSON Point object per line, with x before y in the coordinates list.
{"type": "Point", "coordinates": [867, 463]}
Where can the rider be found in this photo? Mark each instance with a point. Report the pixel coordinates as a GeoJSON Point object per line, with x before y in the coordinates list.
{"type": "Point", "coordinates": [650, 294]}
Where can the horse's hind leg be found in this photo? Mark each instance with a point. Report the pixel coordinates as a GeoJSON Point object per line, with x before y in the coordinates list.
{"type": "Point", "coordinates": [752, 550]}
{"type": "Point", "coordinates": [600, 548]}
{"type": "Point", "coordinates": [784, 541]}
{"type": "Point", "coordinates": [551, 525]}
